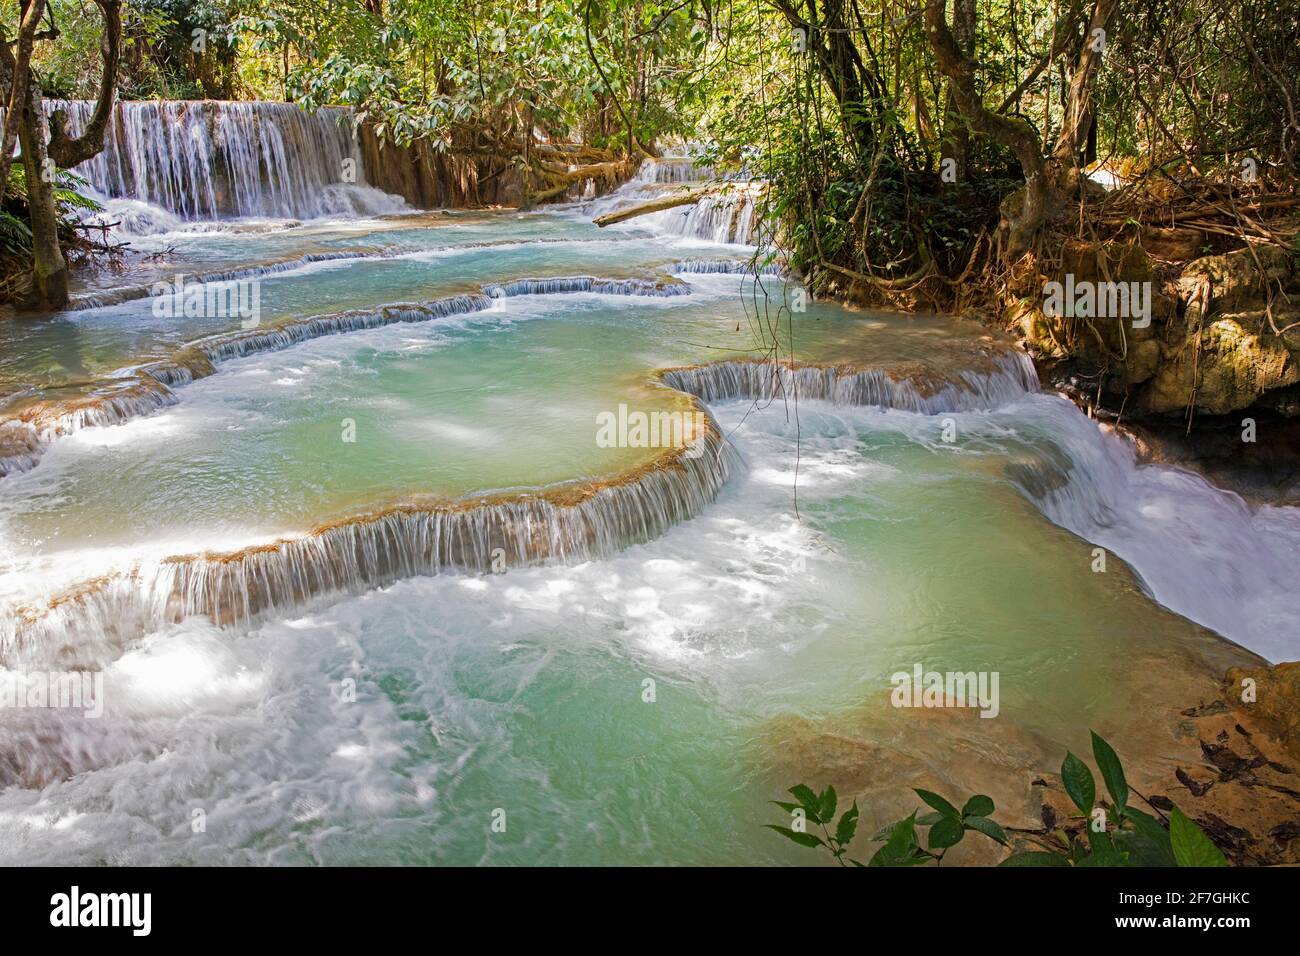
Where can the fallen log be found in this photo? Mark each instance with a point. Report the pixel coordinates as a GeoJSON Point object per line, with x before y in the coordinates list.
{"type": "Point", "coordinates": [683, 198]}
{"type": "Point", "coordinates": [562, 177]}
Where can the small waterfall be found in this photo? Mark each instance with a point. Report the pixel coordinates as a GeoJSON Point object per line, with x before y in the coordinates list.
{"type": "Point", "coordinates": [728, 267]}
{"type": "Point", "coordinates": [230, 345]}
{"type": "Point", "coordinates": [1197, 549]}
{"type": "Point", "coordinates": [726, 218]}
{"type": "Point", "coordinates": [575, 521]}
{"type": "Point", "coordinates": [20, 447]}
{"type": "Point", "coordinates": [1010, 376]}
{"type": "Point", "coordinates": [671, 171]}
{"type": "Point", "coordinates": [110, 297]}
{"type": "Point", "coordinates": [149, 387]}
{"type": "Point", "coordinates": [729, 215]}
{"type": "Point", "coordinates": [219, 160]}
{"type": "Point", "coordinates": [570, 284]}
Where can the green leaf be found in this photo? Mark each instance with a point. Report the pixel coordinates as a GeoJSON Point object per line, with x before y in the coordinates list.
{"type": "Point", "coordinates": [1078, 783]}
{"type": "Point", "coordinates": [827, 803]}
{"type": "Point", "coordinates": [810, 802]}
{"type": "Point", "coordinates": [978, 806]}
{"type": "Point", "coordinates": [1190, 844]}
{"type": "Point", "coordinates": [1111, 771]}
{"type": "Point", "coordinates": [901, 845]}
{"type": "Point", "coordinates": [929, 819]}
{"type": "Point", "coordinates": [848, 825]}
{"type": "Point", "coordinates": [987, 827]}
{"type": "Point", "coordinates": [1105, 858]}
{"type": "Point", "coordinates": [1098, 840]}
{"type": "Point", "coordinates": [1155, 844]}
{"type": "Point", "coordinates": [1035, 858]}
{"type": "Point", "coordinates": [803, 839]}
{"type": "Point", "coordinates": [1143, 851]}
{"type": "Point", "coordinates": [947, 832]}
{"type": "Point", "coordinates": [939, 803]}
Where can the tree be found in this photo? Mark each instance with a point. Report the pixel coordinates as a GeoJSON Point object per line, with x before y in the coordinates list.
{"type": "Point", "coordinates": [25, 116]}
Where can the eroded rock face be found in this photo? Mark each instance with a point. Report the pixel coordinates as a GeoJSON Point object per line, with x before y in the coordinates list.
{"type": "Point", "coordinates": [1223, 367]}
{"type": "Point", "coordinates": [1212, 344]}
{"type": "Point", "coordinates": [1272, 696]}
{"type": "Point", "coordinates": [1242, 279]}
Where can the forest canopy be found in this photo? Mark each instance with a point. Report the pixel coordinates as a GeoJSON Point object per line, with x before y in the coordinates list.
{"type": "Point", "coordinates": [857, 112]}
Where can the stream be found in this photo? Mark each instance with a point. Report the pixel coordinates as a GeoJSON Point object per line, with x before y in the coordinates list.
{"type": "Point", "coordinates": [365, 587]}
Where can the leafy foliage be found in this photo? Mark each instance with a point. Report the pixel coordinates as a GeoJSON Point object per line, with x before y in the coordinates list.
{"type": "Point", "coordinates": [1134, 838]}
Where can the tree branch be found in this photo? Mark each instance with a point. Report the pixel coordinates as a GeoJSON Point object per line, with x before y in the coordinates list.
{"type": "Point", "coordinates": [65, 150]}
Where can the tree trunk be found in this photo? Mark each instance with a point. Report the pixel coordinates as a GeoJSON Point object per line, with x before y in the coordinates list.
{"type": "Point", "coordinates": [68, 151]}
{"type": "Point", "coordinates": [1036, 205]}
{"type": "Point", "coordinates": [15, 74]}
{"type": "Point", "coordinates": [49, 268]}
{"type": "Point", "coordinates": [1078, 105]}
{"type": "Point", "coordinates": [857, 89]}
{"type": "Point", "coordinates": [956, 134]}
{"type": "Point", "coordinates": [685, 197]}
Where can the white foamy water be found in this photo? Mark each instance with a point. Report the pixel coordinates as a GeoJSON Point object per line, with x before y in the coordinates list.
{"type": "Point", "coordinates": [167, 162]}
{"type": "Point", "coordinates": [370, 728]}
{"type": "Point", "coordinates": [366, 710]}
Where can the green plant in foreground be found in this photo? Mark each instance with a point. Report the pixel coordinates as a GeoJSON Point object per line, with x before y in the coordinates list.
{"type": "Point", "coordinates": [1120, 835]}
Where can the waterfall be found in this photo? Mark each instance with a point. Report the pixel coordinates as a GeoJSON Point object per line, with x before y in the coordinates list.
{"type": "Point", "coordinates": [728, 216]}
{"type": "Point", "coordinates": [147, 388]}
{"type": "Point", "coordinates": [672, 171]}
{"type": "Point", "coordinates": [574, 521]}
{"type": "Point", "coordinates": [570, 284]}
{"type": "Point", "coordinates": [728, 267]}
{"type": "Point", "coordinates": [217, 160]}
{"type": "Point", "coordinates": [1010, 375]}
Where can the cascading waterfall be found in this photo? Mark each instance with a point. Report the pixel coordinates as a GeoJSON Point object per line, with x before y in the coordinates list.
{"type": "Point", "coordinates": [728, 267]}
{"type": "Point", "coordinates": [218, 160]}
{"type": "Point", "coordinates": [571, 284]}
{"type": "Point", "coordinates": [576, 521]}
{"type": "Point", "coordinates": [728, 216]}
{"type": "Point", "coordinates": [572, 522]}
{"type": "Point", "coordinates": [130, 550]}
{"type": "Point", "coordinates": [923, 391]}
{"type": "Point", "coordinates": [671, 171]}
{"type": "Point", "coordinates": [1200, 550]}
{"type": "Point", "coordinates": [149, 388]}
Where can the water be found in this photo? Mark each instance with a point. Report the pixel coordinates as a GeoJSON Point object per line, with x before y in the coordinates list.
{"type": "Point", "coordinates": [312, 646]}
{"type": "Point", "coordinates": [165, 162]}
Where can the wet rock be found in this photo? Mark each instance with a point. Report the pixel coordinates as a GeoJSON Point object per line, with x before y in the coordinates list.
{"type": "Point", "coordinates": [1175, 245]}
{"type": "Point", "coordinates": [1241, 279]}
{"type": "Point", "coordinates": [1271, 695]}
{"type": "Point", "coordinates": [1197, 789]}
{"type": "Point", "coordinates": [1224, 367]}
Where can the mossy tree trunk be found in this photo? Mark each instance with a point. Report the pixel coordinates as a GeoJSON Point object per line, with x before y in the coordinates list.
{"type": "Point", "coordinates": [49, 268]}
